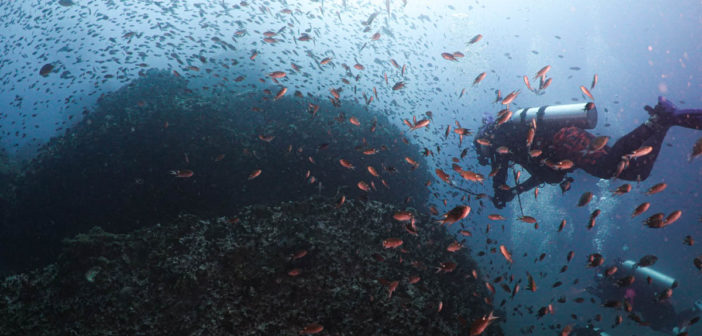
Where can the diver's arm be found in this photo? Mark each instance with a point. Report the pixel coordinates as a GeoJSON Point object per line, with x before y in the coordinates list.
{"type": "Point", "coordinates": [529, 184]}
{"type": "Point", "coordinates": [501, 196]}
{"type": "Point", "coordinates": [501, 177]}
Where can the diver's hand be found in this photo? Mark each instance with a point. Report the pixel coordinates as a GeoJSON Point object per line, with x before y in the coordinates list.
{"type": "Point", "coordinates": [664, 107]}
{"type": "Point", "coordinates": [502, 197]}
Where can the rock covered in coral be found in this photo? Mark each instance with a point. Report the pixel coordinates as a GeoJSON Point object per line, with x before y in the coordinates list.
{"type": "Point", "coordinates": [114, 166]}
{"type": "Point", "coordinates": [266, 271]}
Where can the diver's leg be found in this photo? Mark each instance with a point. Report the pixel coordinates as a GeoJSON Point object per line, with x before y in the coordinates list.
{"type": "Point", "coordinates": [640, 168]}
{"type": "Point", "coordinates": [604, 163]}
{"type": "Point", "coordinates": [689, 119]}
{"type": "Point", "coordinates": [666, 113]}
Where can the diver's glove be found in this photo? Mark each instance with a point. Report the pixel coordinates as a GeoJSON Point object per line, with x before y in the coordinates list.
{"type": "Point", "coordinates": [502, 197]}
{"type": "Point", "coordinates": [663, 114]}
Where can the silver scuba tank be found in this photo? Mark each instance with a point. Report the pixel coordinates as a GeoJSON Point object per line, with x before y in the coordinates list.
{"type": "Point", "coordinates": [659, 281]}
{"type": "Point", "coordinates": [582, 115]}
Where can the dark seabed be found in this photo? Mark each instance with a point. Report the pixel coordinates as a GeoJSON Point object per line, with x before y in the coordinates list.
{"type": "Point", "coordinates": [350, 168]}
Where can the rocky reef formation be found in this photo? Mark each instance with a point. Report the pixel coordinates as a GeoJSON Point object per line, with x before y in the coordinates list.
{"type": "Point", "coordinates": [267, 270]}
{"type": "Point", "coordinates": [115, 166]}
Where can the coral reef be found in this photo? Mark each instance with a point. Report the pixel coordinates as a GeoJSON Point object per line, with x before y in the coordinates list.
{"type": "Point", "coordinates": [267, 270]}
{"type": "Point", "coordinates": [113, 167]}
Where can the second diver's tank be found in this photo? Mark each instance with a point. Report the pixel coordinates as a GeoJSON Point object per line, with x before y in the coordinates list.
{"type": "Point", "coordinates": [659, 280]}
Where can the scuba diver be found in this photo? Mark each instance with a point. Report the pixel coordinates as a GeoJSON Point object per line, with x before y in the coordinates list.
{"type": "Point", "coordinates": [645, 294]}
{"type": "Point", "coordinates": [551, 141]}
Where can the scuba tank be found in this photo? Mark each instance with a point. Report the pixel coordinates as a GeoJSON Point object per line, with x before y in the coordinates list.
{"type": "Point", "coordinates": [659, 281]}
{"type": "Point", "coordinates": [582, 115]}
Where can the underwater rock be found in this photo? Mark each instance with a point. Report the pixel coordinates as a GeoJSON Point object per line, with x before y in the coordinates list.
{"type": "Point", "coordinates": [154, 149]}
{"type": "Point", "coordinates": [264, 271]}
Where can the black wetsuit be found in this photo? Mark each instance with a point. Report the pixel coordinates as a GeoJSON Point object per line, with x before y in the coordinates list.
{"type": "Point", "coordinates": [568, 143]}
{"type": "Point", "coordinates": [657, 314]}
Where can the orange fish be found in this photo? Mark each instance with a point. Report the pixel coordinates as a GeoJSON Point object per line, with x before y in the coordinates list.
{"type": "Point", "coordinates": [526, 81]}
{"type": "Point", "coordinates": [398, 85]}
{"type": "Point", "coordinates": [277, 74]}
{"type": "Point", "coordinates": [446, 267]}
{"type": "Point", "coordinates": [545, 84]}
{"type": "Point", "coordinates": [266, 138]}
{"type": "Point", "coordinates": [392, 287]}
{"type": "Point", "coordinates": [478, 326]}
{"type": "Point", "coordinates": [563, 165]}
{"type": "Point", "coordinates": [656, 188]}
{"type": "Point", "coordinates": [598, 143]}
{"type": "Point", "coordinates": [672, 217]}
{"type": "Point", "coordinates": [594, 82]}
{"type": "Point", "coordinates": [403, 216]}
{"type": "Point", "coordinates": [495, 217]}
{"type": "Point", "coordinates": [443, 176]}
{"type": "Point", "coordinates": [585, 199]}
{"type": "Point", "coordinates": [483, 142]}
{"type": "Point", "coordinates": [475, 39]}
{"type": "Point", "coordinates": [527, 219]}
{"type": "Point", "coordinates": [479, 78]}
{"type": "Point", "coordinates": [297, 255]}
{"type": "Point", "coordinates": [532, 283]}
{"type": "Point", "coordinates": [325, 61]}
{"type": "Point", "coordinates": [294, 272]}
{"type": "Point", "coordinates": [510, 97]}
{"type": "Point", "coordinates": [254, 174]}
{"type": "Point", "coordinates": [542, 72]}
{"type": "Point", "coordinates": [504, 117]}
{"type": "Point", "coordinates": [355, 121]}
{"type": "Point", "coordinates": [454, 246]}
{"type": "Point", "coordinates": [642, 151]}
{"type": "Point", "coordinates": [346, 164]}
{"type": "Point", "coordinates": [455, 214]}
{"type": "Point", "coordinates": [641, 209]}
{"type": "Point", "coordinates": [358, 66]}
{"type": "Point", "coordinates": [392, 243]}
{"type": "Point", "coordinates": [280, 93]}
{"type": "Point", "coordinates": [182, 173]}
{"type": "Point", "coordinates": [506, 253]}
{"type": "Point", "coordinates": [341, 201]}
{"type": "Point", "coordinates": [373, 172]}
{"type": "Point", "coordinates": [471, 176]}
{"type": "Point", "coordinates": [502, 150]}
{"type": "Point", "coordinates": [313, 328]}
{"type": "Point", "coordinates": [586, 92]}
{"type": "Point", "coordinates": [448, 56]}
{"type": "Point", "coordinates": [655, 221]}
{"type": "Point", "coordinates": [530, 136]}
{"type": "Point", "coordinates": [420, 124]}
{"type": "Point", "coordinates": [375, 36]}
{"type": "Point", "coordinates": [363, 186]}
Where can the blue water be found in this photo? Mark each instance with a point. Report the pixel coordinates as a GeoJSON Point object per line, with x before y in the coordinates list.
{"type": "Point", "coordinates": [638, 52]}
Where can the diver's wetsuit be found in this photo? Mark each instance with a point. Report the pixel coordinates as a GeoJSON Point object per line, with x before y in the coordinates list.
{"type": "Point", "coordinates": [568, 143]}
{"type": "Point", "coordinates": [659, 315]}
{"type": "Point", "coordinates": [572, 143]}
